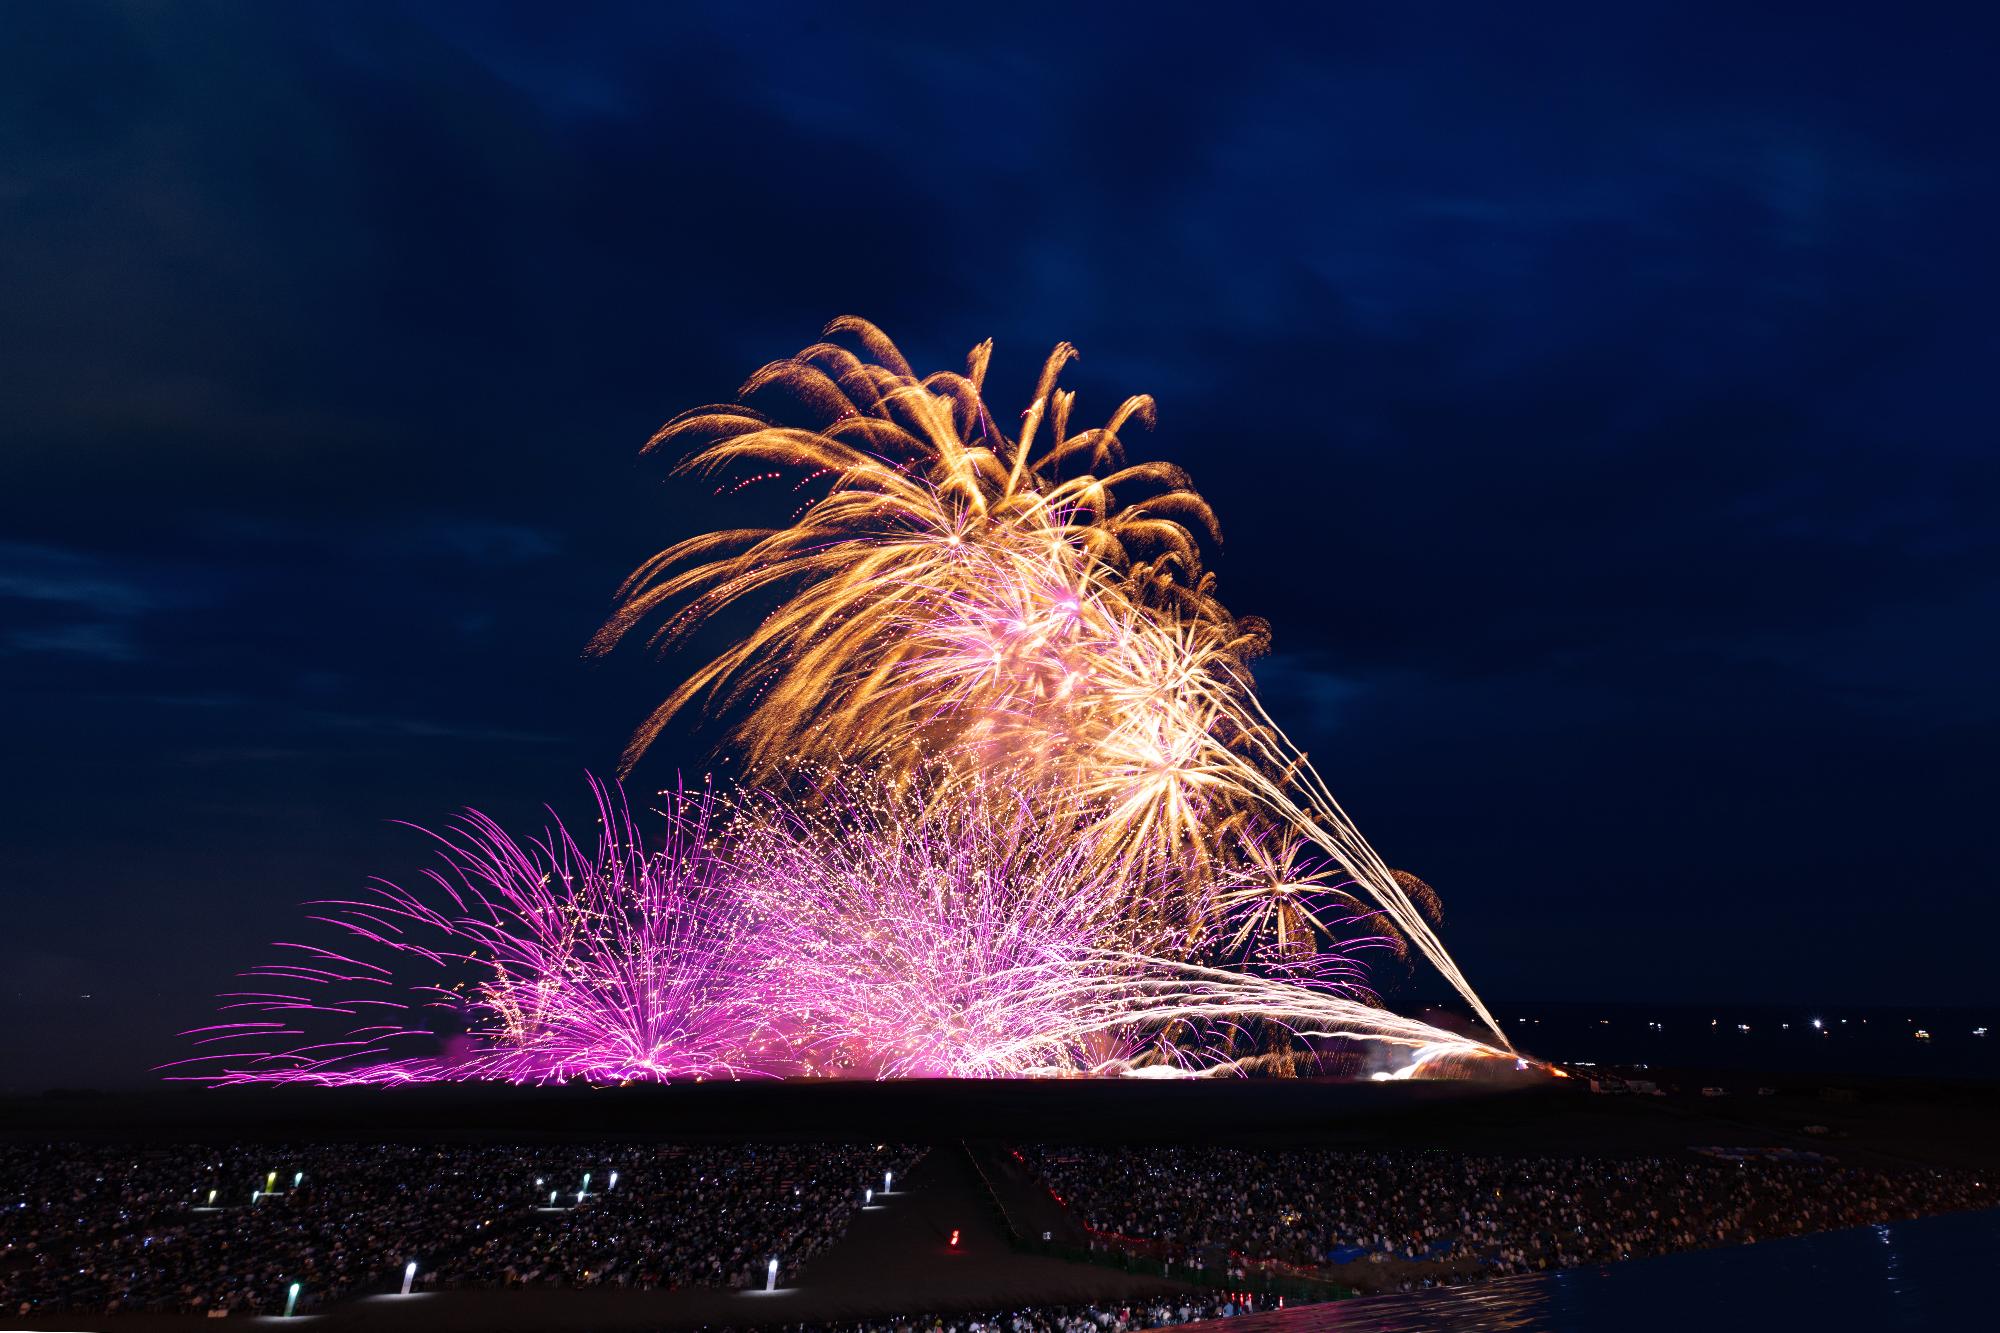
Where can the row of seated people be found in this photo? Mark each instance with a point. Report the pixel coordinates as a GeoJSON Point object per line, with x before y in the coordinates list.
{"type": "Point", "coordinates": [202, 1229]}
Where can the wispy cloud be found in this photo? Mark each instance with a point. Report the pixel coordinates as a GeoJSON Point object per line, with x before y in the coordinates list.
{"type": "Point", "coordinates": [103, 641]}
{"type": "Point", "coordinates": [83, 605]}
{"type": "Point", "coordinates": [51, 574]}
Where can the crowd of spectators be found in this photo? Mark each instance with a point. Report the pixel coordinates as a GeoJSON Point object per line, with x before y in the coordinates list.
{"type": "Point", "coordinates": [1435, 1217]}
{"type": "Point", "coordinates": [1130, 1317]}
{"type": "Point", "coordinates": [227, 1231]}
{"type": "Point", "coordinates": [710, 1217]}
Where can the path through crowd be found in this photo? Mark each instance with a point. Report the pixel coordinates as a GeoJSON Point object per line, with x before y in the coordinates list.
{"type": "Point", "coordinates": [897, 1258]}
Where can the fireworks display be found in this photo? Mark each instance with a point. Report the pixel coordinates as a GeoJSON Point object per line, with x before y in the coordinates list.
{"type": "Point", "coordinates": [1014, 807]}
{"type": "Point", "coordinates": [1032, 601]}
{"type": "Point", "coordinates": [934, 929]}
{"type": "Point", "coordinates": [529, 962]}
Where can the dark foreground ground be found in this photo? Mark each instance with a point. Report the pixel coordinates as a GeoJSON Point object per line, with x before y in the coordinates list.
{"type": "Point", "coordinates": [897, 1260]}
{"type": "Point", "coordinates": [1880, 1121]}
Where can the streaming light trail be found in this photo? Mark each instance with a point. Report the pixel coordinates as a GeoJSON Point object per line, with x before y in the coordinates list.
{"type": "Point", "coordinates": [941, 929]}
{"type": "Point", "coordinates": [524, 961]}
{"type": "Point", "coordinates": [946, 590]}
{"type": "Point", "coordinates": [1016, 808]}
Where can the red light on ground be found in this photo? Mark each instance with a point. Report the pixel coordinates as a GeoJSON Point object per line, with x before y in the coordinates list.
{"type": "Point", "coordinates": [954, 1238]}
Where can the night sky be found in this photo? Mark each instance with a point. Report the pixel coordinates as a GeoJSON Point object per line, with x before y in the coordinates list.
{"type": "Point", "coordinates": [1598, 402]}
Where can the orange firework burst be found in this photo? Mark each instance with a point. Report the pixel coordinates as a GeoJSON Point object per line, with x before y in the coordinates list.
{"type": "Point", "coordinates": [948, 593]}
{"type": "Point", "coordinates": [921, 490]}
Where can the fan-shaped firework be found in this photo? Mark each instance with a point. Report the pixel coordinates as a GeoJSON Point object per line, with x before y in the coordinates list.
{"type": "Point", "coordinates": [942, 928]}
{"type": "Point", "coordinates": [954, 591]}
{"type": "Point", "coordinates": [1020, 797]}
{"type": "Point", "coordinates": [936, 928]}
{"type": "Point", "coordinates": [526, 962]}
{"type": "Point", "coordinates": [926, 502]}
{"type": "Point", "coordinates": [930, 929]}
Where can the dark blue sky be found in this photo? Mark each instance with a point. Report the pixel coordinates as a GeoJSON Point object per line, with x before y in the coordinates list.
{"type": "Point", "coordinates": [1596, 400]}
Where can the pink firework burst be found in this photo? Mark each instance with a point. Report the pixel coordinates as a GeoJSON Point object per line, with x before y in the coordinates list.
{"type": "Point", "coordinates": [525, 961]}
{"type": "Point", "coordinates": [929, 930]}
{"type": "Point", "coordinates": [945, 929]}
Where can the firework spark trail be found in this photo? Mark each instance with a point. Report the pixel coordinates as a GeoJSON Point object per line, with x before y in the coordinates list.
{"type": "Point", "coordinates": [1321, 818]}
{"type": "Point", "coordinates": [924, 929]}
{"type": "Point", "coordinates": [1054, 667]}
{"type": "Point", "coordinates": [942, 929]}
{"type": "Point", "coordinates": [1157, 720]}
{"type": "Point", "coordinates": [952, 607]}
{"type": "Point", "coordinates": [957, 591]}
{"type": "Point", "coordinates": [938, 928]}
{"type": "Point", "coordinates": [625, 963]}
{"type": "Point", "coordinates": [920, 482]}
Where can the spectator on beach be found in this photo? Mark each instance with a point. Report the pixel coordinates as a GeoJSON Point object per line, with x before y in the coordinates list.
{"type": "Point", "coordinates": [1129, 1317]}
{"type": "Point", "coordinates": [1432, 1217]}
{"type": "Point", "coordinates": [204, 1230]}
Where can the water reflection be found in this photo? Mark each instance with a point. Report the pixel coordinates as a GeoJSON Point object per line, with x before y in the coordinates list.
{"type": "Point", "coordinates": [1926, 1274]}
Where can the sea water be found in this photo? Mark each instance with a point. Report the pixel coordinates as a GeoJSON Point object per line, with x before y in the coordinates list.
{"type": "Point", "coordinates": [1931, 1273]}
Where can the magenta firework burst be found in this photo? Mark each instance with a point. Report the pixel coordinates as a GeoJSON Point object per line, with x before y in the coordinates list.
{"type": "Point", "coordinates": [523, 961]}
{"type": "Point", "coordinates": [930, 930]}
{"type": "Point", "coordinates": [946, 928]}
{"type": "Point", "coordinates": [1022, 810]}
